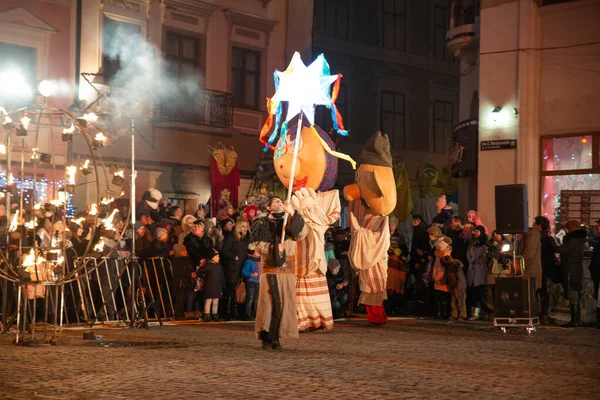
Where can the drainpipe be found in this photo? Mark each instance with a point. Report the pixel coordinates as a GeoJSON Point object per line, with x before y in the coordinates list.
{"type": "Point", "coordinates": [76, 99]}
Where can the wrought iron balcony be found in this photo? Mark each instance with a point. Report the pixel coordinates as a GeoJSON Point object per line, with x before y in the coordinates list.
{"type": "Point", "coordinates": [208, 108]}
{"type": "Point", "coordinates": [464, 26]}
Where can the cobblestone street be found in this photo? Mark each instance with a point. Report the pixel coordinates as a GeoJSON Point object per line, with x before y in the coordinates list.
{"type": "Point", "coordinates": [404, 359]}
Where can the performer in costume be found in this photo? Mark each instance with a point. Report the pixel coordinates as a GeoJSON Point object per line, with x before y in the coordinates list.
{"type": "Point", "coordinates": [276, 314]}
{"type": "Point", "coordinates": [372, 198]}
{"type": "Point", "coordinates": [316, 169]}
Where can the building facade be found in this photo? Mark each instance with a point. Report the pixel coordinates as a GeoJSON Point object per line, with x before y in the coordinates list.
{"type": "Point", "coordinates": [535, 78]}
{"type": "Point", "coordinates": [191, 75]}
{"type": "Point", "coordinates": [398, 76]}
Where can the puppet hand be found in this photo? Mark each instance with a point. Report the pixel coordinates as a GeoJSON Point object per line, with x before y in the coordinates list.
{"type": "Point", "coordinates": [354, 222]}
{"type": "Point", "coordinates": [306, 197]}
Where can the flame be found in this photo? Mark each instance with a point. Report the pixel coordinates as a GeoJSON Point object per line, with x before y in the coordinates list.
{"type": "Point", "coordinates": [91, 117]}
{"type": "Point", "coordinates": [107, 201]}
{"type": "Point", "coordinates": [11, 179]}
{"type": "Point", "coordinates": [31, 224]}
{"type": "Point", "coordinates": [70, 129]}
{"type": "Point", "coordinates": [78, 221]}
{"type": "Point", "coordinates": [2, 148]}
{"type": "Point", "coordinates": [25, 121]}
{"type": "Point", "coordinates": [99, 247]}
{"type": "Point", "coordinates": [108, 222]}
{"type": "Point", "coordinates": [34, 153]}
{"type": "Point", "coordinates": [14, 223]}
{"type": "Point", "coordinates": [120, 173]}
{"type": "Point", "coordinates": [71, 170]}
{"type": "Point", "coordinates": [31, 261]}
{"type": "Point", "coordinates": [100, 137]}
{"type": "Point", "coordinates": [86, 164]}
{"type": "Point", "coordinates": [93, 209]}
{"type": "Point", "coordinates": [122, 193]}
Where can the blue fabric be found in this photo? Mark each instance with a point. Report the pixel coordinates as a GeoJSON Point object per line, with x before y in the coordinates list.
{"type": "Point", "coordinates": [251, 266]}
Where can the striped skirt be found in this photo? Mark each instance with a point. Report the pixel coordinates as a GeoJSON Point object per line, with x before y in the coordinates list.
{"type": "Point", "coordinates": [313, 302]}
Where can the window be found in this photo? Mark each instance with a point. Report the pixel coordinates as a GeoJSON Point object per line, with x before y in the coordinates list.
{"type": "Point", "coordinates": [442, 125]}
{"type": "Point", "coordinates": [17, 75]}
{"type": "Point", "coordinates": [183, 55]}
{"type": "Point", "coordinates": [245, 72]}
{"type": "Point", "coordinates": [441, 20]}
{"type": "Point", "coordinates": [118, 39]}
{"type": "Point", "coordinates": [570, 162]}
{"type": "Point", "coordinates": [393, 118]}
{"type": "Point", "coordinates": [394, 24]}
{"type": "Point", "coordinates": [337, 18]}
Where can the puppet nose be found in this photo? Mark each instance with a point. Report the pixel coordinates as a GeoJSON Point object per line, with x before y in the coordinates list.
{"type": "Point", "coordinates": [283, 166]}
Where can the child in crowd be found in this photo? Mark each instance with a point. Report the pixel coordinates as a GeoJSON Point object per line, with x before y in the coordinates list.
{"type": "Point", "coordinates": [182, 284]}
{"type": "Point", "coordinates": [395, 281]}
{"type": "Point", "coordinates": [337, 281]}
{"type": "Point", "coordinates": [440, 281]}
{"type": "Point", "coordinates": [212, 273]}
{"type": "Point", "coordinates": [251, 272]}
{"type": "Point", "coordinates": [457, 284]}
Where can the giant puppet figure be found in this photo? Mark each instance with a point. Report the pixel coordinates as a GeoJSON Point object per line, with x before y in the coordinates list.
{"type": "Point", "coordinates": [306, 163]}
{"type": "Point", "coordinates": [372, 198]}
{"type": "Point", "coordinates": [316, 171]}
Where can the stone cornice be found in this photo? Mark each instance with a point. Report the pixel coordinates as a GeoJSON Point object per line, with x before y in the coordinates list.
{"type": "Point", "coordinates": [250, 21]}
{"type": "Point", "coordinates": [191, 7]}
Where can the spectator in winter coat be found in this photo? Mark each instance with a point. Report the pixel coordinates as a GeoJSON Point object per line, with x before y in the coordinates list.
{"type": "Point", "coordinates": [197, 244]}
{"type": "Point", "coordinates": [459, 244]}
{"type": "Point", "coordinates": [251, 272]}
{"type": "Point", "coordinates": [337, 283]}
{"type": "Point", "coordinates": [212, 272]}
{"type": "Point", "coordinates": [233, 256]}
{"type": "Point", "coordinates": [182, 283]}
{"type": "Point", "coordinates": [440, 282]}
{"type": "Point", "coordinates": [477, 272]}
{"type": "Point", "coordinates": [457, 284]}
{"type": "Point", "coordinates": [571, 255]}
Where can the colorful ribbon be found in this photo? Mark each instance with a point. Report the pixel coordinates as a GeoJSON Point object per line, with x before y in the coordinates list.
{"type": "Point", "coordinates": [336, 117]}
{"type": "Point", "coordinates": [332, 152]}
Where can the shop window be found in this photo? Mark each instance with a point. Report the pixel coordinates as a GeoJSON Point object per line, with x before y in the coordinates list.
{"type": "Point", "coordinates": [567, 153]}
{"type": "Point", "coordinates": [17, 75]}
{"type": "Point", "coordinates": [245, 74]}
{"type": "Point", "coordinates": [394, 24]}
{"type": "Point", "coordinates": [393, 119]}
{"type": "Point", "coordinates": [569, 163]}
{"type": "Point", "coordinates": [118, 39]}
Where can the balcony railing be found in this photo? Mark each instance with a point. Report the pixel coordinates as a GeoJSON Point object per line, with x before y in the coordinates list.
{"type": "Point", "coordinates": [464, 12]}
{"type": "Point", "coordinates": [208, 108]}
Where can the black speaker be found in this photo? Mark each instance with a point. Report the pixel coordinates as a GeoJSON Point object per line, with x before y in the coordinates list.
{"type": "Point", "coordinates": [515, 298]}
{"type": "Point", "coordinates": [511, 209]}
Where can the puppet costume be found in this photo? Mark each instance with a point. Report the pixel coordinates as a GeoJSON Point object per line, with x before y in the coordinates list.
{"type": "Point", "coordinates": [372, 198]}
{"type": "Point", "coordinates": [316, 170]}
{"type": "Point", "coordinates": [310, 267]}
{"type": "Point", "coordinates": [276, 314]}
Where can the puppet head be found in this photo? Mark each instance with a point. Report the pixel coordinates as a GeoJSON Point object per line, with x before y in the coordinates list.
{"type": "Point", "coordinates": [225, 158]}
{"type": "Point", "coordinates": [375, 185]}
{"type": "Point", "coordinates": [315, 168]}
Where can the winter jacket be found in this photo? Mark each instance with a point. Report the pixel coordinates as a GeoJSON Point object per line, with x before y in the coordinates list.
{"type": "Point", "coordinates": [251, 266]}
{"type": "Point", "coordinates": [459, 245]}
{"type": "Point", "coordinates": [532, 253]}
{"type": "Point", "coordinates": [213, 280]}
{"type": "Point", "coordinates": [476, 255]}
{"type": "Point", "coordinates": [571, 254]}
{"type": "Point", "coordinates": [182, 274]}
{"type": "Point", "coordinates": [197, 248]}
{"type": "Point", "coordinates": [456, 276]}
{"type": "Point", "coordinates": [444, 218]}
{"type": "Point", "coordinates": [439, 276]}
{"type": "Point", "coordinates": [550, 266]}
{"type": "Point", "coordinates": [233, 249]}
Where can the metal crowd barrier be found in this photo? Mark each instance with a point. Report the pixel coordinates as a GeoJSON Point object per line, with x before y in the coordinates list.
{"type": "Point", "coordinates": [88, 291]}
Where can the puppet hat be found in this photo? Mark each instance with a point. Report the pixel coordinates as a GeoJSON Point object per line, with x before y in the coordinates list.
{"type": "Point", "coordinates": [377, 151]}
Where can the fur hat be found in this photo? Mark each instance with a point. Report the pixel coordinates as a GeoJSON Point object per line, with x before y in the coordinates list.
{"type": "Point", "coordinates": [152, 197]}
{"type": "Point", "coordinates": [377, 151]}
{"type": "Point", "coordinates": [160, 232]}
{"type": "Point", "coordinates": [179, 249]}
{"type": "Point", "coordinates": [332, 264]}
{"type": "Point", "coordinates": [187, 220]}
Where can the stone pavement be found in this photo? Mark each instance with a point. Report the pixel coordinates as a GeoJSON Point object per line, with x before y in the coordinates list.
{"type": "Point", "coordinates": [404, 359]}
